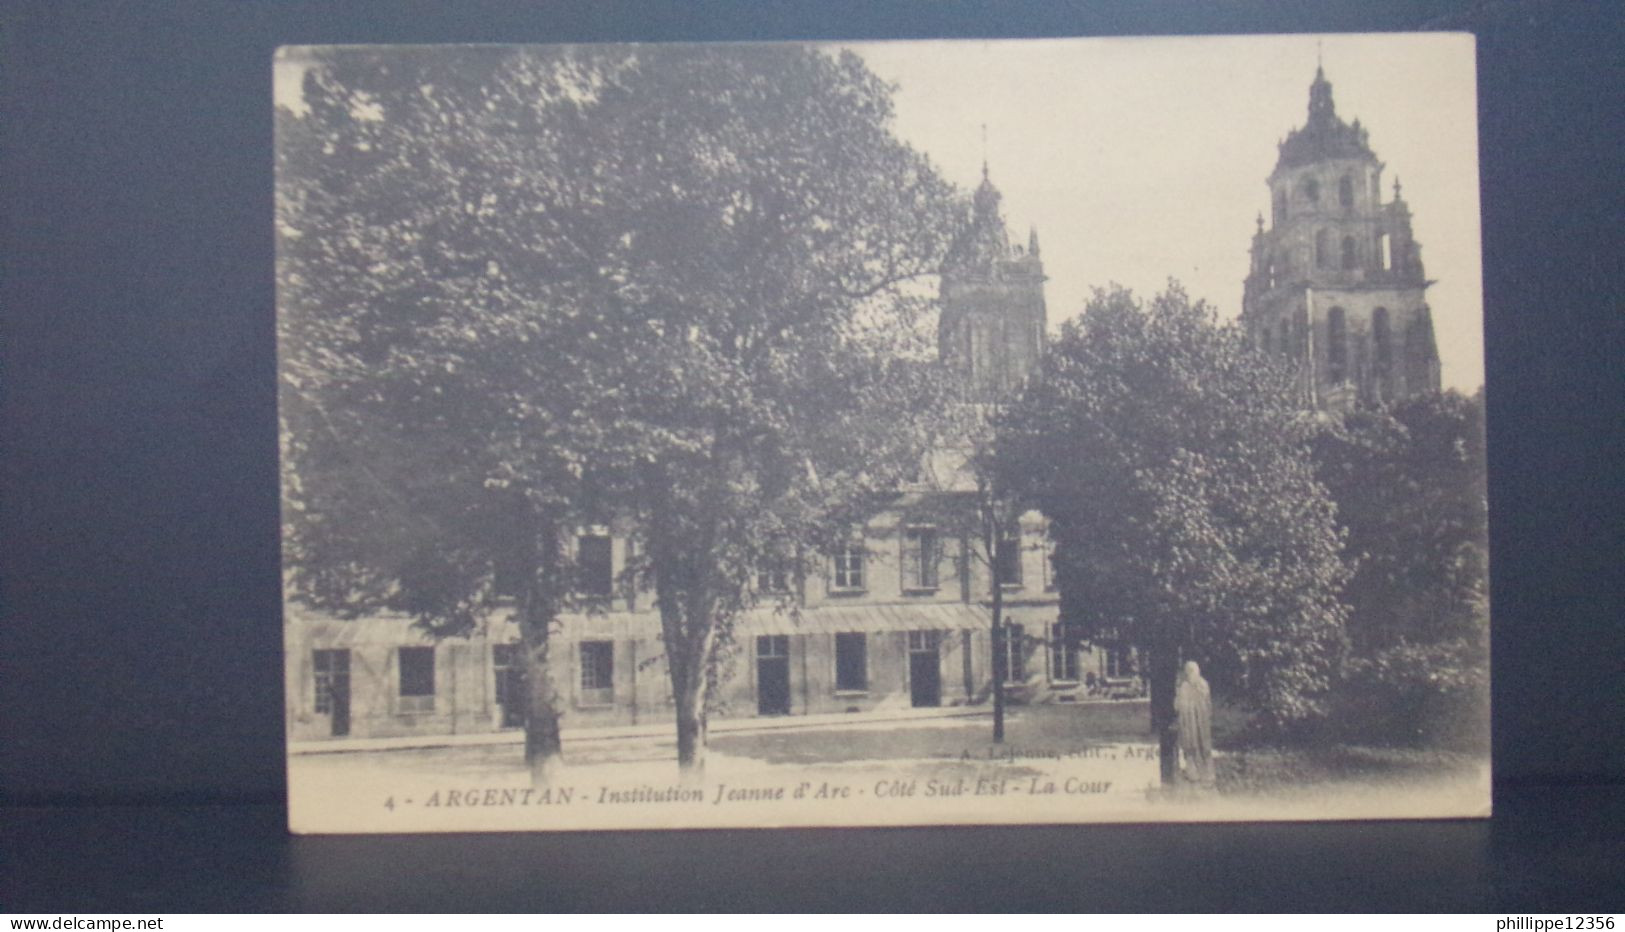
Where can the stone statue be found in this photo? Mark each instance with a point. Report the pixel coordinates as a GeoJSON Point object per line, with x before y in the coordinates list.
{"type": "Point", "coordinates": [1193, 704]}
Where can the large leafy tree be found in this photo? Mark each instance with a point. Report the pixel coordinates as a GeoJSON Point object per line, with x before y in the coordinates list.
{"type": "Point", "coordinates": [431, 457]}
{"type": "Point", "coordinates": [1172, 463]}
{"type": "Point", "coordinates": [773, 237]}
{"type": "Point", "coordinates": [676, 285]}
{"type": "Point", "coordinates": [1409, 484]}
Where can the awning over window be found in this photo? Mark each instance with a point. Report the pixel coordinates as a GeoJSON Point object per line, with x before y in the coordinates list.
{"type": "Point", "coordinates": [835, 618]}
{"type": "Point", "coordinates": [325, 631]}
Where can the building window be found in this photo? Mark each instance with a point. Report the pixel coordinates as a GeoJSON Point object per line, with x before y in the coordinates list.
{"type": "Point", "coordinates": [1280, 206]}
{"type": "Point", "coordinates": [922, 640]}
{"type": "Point", "coordinates": [1013, 650]}
{"type": "Point", "coordinates": [417, 679]}
{"type": "Point", "coordinates": [1350, 260]}
{"type": "Point", "coordinates": [849, 568]}
{"type": "Point", "coordinates": [1385, 255]}
{"type": "Point", "coordinates": [332, 677]}
{"type": "Point", "coordinates": [508, 671]}
{"type": "Point", "coordinates": [1008, 557]}
{"type": "Point", "coordinates": [597, 672]}
{"type": "Point", "coordinates": [1119, 664]}
{"type": "Point", "coordinates": [1337, 345]}
{"type": "Point", "coordinates": [922, 552]}
{"type": "Point", "coordinates": [629, 580]}
{"type": "Point", "coordinates": [1345, 191]}
{"type": "Point", "coordinates": [773, 647]}
{"type": "Point", "coordinates": [1064, 653]}
{"type": "Point", "coordinates": [595, 573]}
{"type": "Point", "coordinates": [1311, 190]}
{"type": "Point", "coordinates": [773, 578]}
{"type": "Point", "coordinates": [504, 660]}
{"type": "Point", "coordinates": [851, 663]}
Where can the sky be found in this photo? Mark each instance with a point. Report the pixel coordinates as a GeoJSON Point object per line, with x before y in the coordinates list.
{"type": "Point", "coordinates": [1143, 159]}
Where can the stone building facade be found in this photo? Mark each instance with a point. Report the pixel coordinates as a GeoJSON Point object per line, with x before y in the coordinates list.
{"type": "Point", "coordinates": [900, 619]}
{"type": "Point", "coordinates": [1336, 282]}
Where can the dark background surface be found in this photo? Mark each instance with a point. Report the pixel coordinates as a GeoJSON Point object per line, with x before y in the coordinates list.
{"type": "Point", "coordinates": [141, 740]}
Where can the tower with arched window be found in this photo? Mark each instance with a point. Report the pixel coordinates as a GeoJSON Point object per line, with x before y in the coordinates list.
{"type": "Point", "coordinates": [993, 312]}
{"type": "Point", "coordinates": [1336, 283]}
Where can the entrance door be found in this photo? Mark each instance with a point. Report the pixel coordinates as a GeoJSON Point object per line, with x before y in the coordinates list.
{"type": "Point", "coordinates": [924, 669]}
{"type": "Point", "coordinates": [773, 674]}
{"type": "Point", "coordinates": [333, 688]}
{"type": "Point", "coordinates": [509, 673]}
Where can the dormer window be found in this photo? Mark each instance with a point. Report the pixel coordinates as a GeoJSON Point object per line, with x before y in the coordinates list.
{"type": "Point", "coordinates": [773, 578]}
{"type": "Point", "coordinates": [922, 552]}
{"type": "Point", "coordinates": [848, 575]}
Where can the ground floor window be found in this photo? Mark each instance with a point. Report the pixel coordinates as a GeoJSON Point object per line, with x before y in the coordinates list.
{"type": "Point", "coordinates": [851, 663]}
{"type": "Point", "coordinates": [1119, 663]}
{"type": "Point", "coordinates": [1064, 653]}
{"type": "Point", "coordinates": [509, 673]}
{"type": "Point", "coordinates": [332, 677]}
{"type": "Point", "coordinates": [597, 672]}
{"type": "Point", "coordinates": [417, 679]}
{"type": "Point", "coordinates": [1015, 653]}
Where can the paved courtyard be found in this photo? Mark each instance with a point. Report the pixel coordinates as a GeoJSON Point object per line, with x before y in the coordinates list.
{"type": "Point", "coordinates": [1057, 764]}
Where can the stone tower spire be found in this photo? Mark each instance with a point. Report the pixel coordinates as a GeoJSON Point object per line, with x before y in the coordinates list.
{"type": "Point", "coordinates": [1336, 283]}
{"type": "Point", "coordinates": [993, 313]}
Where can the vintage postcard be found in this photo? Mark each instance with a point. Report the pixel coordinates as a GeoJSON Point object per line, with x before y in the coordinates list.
{"type": "Point", "coordinates": [753, 435]}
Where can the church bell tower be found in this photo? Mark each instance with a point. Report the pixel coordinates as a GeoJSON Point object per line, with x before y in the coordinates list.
{"type": "Point", "coordinates": [1336, 282]}
{"type": "Point", "coordinates": [993, 314]}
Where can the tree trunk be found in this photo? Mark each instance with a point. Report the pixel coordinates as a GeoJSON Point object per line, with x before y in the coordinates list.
{"type": "Point", "coordinates": [1001, 657]}
{"type": "Point", "coordinates": [1164, 672]}
{"type": "Point", "coordinates": [544, 707]}
{"type": "Point", "coordinates": [544, 751]}
{"type": "Point", "coordinates": [690, 698]}
{"type": "Point", "coordinates": [686, 624]}
{"type": "Point", "coordinates": [992, 544]}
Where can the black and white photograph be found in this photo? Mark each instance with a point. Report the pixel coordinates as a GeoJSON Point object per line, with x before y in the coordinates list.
{"type": "Point", "coordinates": [881, 433]}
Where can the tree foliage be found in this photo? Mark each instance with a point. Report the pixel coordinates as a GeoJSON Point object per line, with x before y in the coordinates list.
{"type": "Point", "coordinates": [524, 289]}
{"type": "Point", "coordinates": [1172, 463]}
{"type": "Point", "coordinates": [1409, 484]}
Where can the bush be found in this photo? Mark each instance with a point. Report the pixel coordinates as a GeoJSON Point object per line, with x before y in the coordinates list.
{"type": "Point", "coordinates": [1417, 694]}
